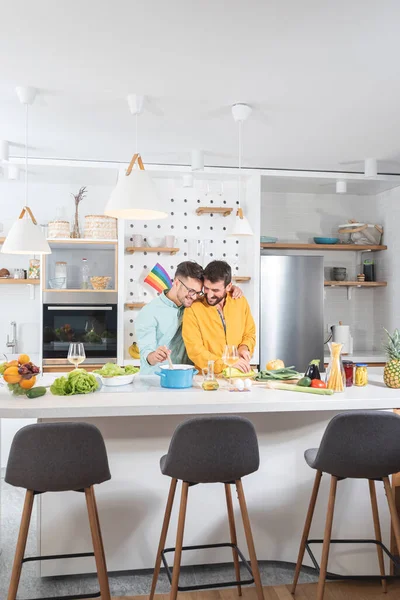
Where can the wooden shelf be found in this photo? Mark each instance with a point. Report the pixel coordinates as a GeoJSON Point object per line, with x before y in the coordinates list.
{"type": "Point", "coordinates": [81, 291]}
{"type": "Point", "coordinates": [133, 249]}
{"type": "Point", "coordinates": [133, 305]}
{"type": "Point", "coordinates": [10, 280]}
{"type": "Point", "coordinates": [322, 247]}
{"type": "Point", "coordinates": [367, 284]}
{"type": "Point", "coordinates": [240, 279]}
{"type": "Point", "coordinates": [80, 243]}
{"type": "Point", "coordinates": [217, 210]}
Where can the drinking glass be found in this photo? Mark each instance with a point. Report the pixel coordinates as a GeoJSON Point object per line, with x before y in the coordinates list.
{"type": "Point", "coordinates": [230, 357]}
{"type": "Point", "coordinates": [76, 354]}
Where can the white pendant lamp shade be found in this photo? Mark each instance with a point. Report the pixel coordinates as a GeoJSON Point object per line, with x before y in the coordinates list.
{"type": "Point", "coordinates": [241, 226]}
{"type": "Point", "coordinates": [135, 196]}
{"type": "Point", "coordinates": [188, 180]}
{"type": "Point", "coordinates": [25, 236]}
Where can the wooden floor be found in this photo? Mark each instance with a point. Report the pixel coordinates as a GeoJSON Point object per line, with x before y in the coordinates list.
{"type": "Point", "coordinates": [333, 591]}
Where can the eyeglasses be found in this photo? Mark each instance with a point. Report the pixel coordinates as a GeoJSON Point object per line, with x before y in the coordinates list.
{"type": "Point", "coordinates": [192, 293]}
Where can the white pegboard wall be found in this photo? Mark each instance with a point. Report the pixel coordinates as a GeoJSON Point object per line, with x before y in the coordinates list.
{"type": "Point", "coordinates": [199, 237]}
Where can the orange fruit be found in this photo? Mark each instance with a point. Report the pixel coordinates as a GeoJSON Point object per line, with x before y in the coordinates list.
{"type": "Point", "coordinates": [23, 359]}
{"type": "Point", "coordinates": [12, 363]}
{"type": "Point", "coordinates": [27, 384]}
{"type": "Point", "coordinates": [11, 375]}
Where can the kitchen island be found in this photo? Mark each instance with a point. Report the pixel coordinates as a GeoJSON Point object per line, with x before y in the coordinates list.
{"type": "Point", "coordinates": [137, 422]}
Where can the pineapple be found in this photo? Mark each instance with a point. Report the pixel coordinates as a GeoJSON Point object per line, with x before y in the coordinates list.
{"type": "Point", "coordinates": [391, 375]}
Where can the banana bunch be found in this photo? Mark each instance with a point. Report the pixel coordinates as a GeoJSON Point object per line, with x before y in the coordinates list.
{"type": "Point", "coordinates": [134, 350]}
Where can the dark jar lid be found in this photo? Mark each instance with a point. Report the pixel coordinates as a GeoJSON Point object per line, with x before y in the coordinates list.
{"type": "Point", "coordinates": [348, 363]}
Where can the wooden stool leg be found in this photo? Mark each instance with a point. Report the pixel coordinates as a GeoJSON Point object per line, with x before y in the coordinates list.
{"type": "Point", "coordinates": [179, 542]}
{"type": "Point", "coordinates": [378, 534]}
{"type": "Point", "coordinates": [327, 539]}
{"type": "Point", "coordinates": [393, 510]}
{"type": "Point", "coordinates": [249, 540]}
{"type": "Point", "coordinates": [21, 545]}
{"type": "Point", "coordinates": [396, 495]}
{"type": "Point", "coordinates": [97, 544]}
{"type": "Point", "coordinates": [232, 530]}
{"type": "Point", "coordinates": [307, 527]}
{"type": "Point", "coordinates": [163, 536]}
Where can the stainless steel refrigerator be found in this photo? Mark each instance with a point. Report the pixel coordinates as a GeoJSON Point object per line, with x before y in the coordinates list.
{"type": "Point", "coordinates": [291, 310]}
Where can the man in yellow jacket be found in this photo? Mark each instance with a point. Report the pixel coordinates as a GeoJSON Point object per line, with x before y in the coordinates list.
{"type": "Point", "coordinates": [216, 321]}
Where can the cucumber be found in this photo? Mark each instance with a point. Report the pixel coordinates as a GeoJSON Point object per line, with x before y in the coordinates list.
{"type": "Point", "coordinates": [36, 392]}
{"type": "Point", "coordinates": [304, 382]}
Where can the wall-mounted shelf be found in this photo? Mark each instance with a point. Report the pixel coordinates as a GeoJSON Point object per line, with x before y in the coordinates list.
{"type": "Point", "coordinates": [322, 247]}
{"type": "Point", "coordinates": [63, 291]}
{"type": "Point", "coordinates": [81, 243]}
{"type": "Point", "coordinates": [215, 210]}
{"type": "Point", "coordinates": [10, 280]}
{"type": "Point", "coordinates": [133, 249]}
{"type": "Point", "coordinates": [240, 279]}
{"type": "Point", "coordinates": [359, 284]}
{"type": "Point", "coordinates": [134, 305]}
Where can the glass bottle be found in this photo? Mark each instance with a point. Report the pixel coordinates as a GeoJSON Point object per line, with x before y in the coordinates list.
{"type": "Point", "coordinates": [84, 274]}
{"type": "Point", "coordinates": [210, 383]}
{"type": "Point", "coordinates": [335, 375]}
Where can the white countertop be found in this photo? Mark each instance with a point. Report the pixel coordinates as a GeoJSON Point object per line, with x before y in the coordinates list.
{"type": "Point", "coordinates": [145, 397]}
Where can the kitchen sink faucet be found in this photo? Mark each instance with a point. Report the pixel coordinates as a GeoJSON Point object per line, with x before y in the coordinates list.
{"type": "Point", "coordinates": [13, 344]}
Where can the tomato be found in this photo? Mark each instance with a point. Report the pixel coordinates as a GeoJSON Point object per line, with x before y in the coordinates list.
{"type": "Point", "coordinates": [317, 383]}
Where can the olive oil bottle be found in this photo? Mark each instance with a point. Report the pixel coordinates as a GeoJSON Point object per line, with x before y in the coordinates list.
{"type": "Point", "coordinates": [210, 383]}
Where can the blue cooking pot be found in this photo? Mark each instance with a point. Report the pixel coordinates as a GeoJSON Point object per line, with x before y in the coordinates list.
{"type": "Point", "coordinates": [181, 376]}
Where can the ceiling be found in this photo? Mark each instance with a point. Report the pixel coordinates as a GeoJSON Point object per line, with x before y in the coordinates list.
{"type": "Point", "coordinates": [323, 79]}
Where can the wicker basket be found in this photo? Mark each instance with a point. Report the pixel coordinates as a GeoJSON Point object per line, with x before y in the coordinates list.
{"type": "Point", "coordinates": [59, 230]}
{"type": "Point", "coordinates": [100, 227]}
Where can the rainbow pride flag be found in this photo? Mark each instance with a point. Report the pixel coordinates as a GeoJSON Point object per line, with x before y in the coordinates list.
{"type": "Point", "coordinates": [159, 279]}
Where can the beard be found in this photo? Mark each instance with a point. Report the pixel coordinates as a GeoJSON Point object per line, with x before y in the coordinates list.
{"type": "Point", "coordinates": [215, 300]}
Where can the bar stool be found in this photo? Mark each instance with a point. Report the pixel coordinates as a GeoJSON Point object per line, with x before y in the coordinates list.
{"type": "Point", "coordinates": [58, 457]}
{"type": "Point", "coordinates": [357, 445]}
{"type": "Point", "coordinates": [209, 450]}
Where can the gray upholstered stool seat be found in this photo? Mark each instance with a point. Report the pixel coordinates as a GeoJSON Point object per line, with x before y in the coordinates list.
{"type": "Point", "coordinates": [357, 445]}
{"type": "Point", "coordinates": [212, 450]}
{"type": "Point", "coordinates": [220, 449]}
{"type": "Point", "coordinates": [59, 457]}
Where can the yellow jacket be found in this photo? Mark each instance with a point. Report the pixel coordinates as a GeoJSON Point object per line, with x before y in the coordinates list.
{"type": "Point", "coordinates": [204, 335]}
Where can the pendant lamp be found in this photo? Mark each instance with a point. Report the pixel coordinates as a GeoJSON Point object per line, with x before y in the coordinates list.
{"type": "Point", "coordinates": [135, 195]}
{"type": "Point", "coordinates": [241, 226]}
{"type": "Point", "coordinates": [25, 236]}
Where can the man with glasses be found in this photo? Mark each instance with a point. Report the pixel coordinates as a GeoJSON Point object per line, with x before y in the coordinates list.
{"type": "Point", "coordinates": [217, 321]}
{"type": "Point", "coordinates": [158, 325]}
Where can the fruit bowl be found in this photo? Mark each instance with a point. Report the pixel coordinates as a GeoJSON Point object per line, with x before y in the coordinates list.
{"type": "Point", "coordinates": [19, 375]}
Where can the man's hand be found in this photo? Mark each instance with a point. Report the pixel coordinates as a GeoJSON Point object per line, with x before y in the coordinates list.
{"type": "Point", "coordinates": [158, 356]}
{"type": "Point", "coordinates": [236, 292]}
{"type": "Point", "coordinates": [243, 365]}
{"type": "Point", "coordinates": [244, 353]}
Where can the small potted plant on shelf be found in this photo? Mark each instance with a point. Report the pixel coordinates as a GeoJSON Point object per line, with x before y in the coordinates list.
{"type": "Point", "coordinates": [78, 199]}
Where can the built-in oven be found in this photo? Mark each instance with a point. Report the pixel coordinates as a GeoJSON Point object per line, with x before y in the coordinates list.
{"type": "Point", "coordinates": [95, 325]}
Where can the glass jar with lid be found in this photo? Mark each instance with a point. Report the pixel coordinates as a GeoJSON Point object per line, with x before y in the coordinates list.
{"type": "Point", "coordinates": [361, 374]}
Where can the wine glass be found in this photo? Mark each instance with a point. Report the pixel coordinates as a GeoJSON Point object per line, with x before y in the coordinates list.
{"type": "Point", "coordinates": [76, 354]}
{"type": "Point", "coordinates": [230, 357]}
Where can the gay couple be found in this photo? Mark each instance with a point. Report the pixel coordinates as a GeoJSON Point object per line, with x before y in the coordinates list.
{"type": "Point", "coordinates": [195, 319]}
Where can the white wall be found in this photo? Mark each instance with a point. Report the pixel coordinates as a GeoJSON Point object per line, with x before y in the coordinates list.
{"type": "Point", "coordinates": [300, 217]}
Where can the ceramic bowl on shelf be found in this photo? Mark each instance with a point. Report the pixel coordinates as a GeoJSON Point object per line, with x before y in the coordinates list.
{"type": "Point", "coordinates": [154, 242]}
{"type": "Point", "coordinates": [326, 240]}
{"type": "Point", "coordinates": [265, 239]}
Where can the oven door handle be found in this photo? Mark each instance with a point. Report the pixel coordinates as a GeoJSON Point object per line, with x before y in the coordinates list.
{"type": "Point", "coordinates": [80, 308]}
